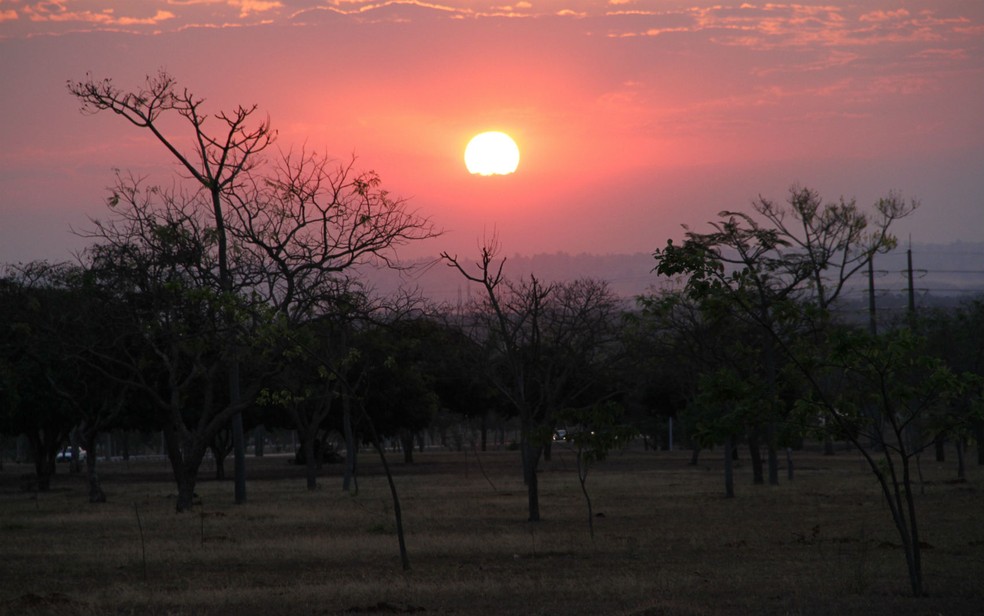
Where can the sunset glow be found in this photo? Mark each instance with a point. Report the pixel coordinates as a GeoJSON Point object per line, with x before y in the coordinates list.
{"type": "Point", "coordinates": [656, 114]}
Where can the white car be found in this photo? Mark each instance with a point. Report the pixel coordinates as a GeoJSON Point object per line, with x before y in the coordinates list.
{"type": "Point", "coordinates": [65, 455]}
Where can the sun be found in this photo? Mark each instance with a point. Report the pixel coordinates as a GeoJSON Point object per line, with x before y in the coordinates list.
{"type": "Point", "coordinates": [492, 153]}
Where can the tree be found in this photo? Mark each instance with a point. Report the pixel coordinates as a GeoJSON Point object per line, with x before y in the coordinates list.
{"type": "Point", "coordinates": [398, 357]}
{"type": "Point", "coordinates": [593, 432]}
{"type": "Point", "coordinates": [216, 163]}
{"type": "Point", "coordinates": [311, 384]}
{"type": "Point", "coordinates": [96, 400]}
{"type": "Point", "coordinates": [36, 301]}
{"type": "Point", "coordinates": [280, 236]}
{"type": "Point", "coordinates": [801, 255]}
{"type": "Point", "coordinates": [304, 224]}
{"type": "Point", "coordinates": [541, 341]}
{"type": "Point", "coordinates": [957, 337]}
{"type": "Point", "coordinates": [880, 392]}
{"type": "Point", "coordinates": [679, 349]}
{"type": "Point", "coordinates": [174, 333]}
{"type": "Point", "coordinates": [911, 392]}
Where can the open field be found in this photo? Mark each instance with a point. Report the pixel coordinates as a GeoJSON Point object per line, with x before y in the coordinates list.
{"type": "Point", "coordinates": [667, 542]}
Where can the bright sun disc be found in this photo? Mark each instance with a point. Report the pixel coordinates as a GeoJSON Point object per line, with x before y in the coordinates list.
{"type": "Point", "coordinates": [491, 153]}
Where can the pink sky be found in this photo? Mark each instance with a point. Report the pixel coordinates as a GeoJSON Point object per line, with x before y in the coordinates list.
{"type": "Point", "coordinates": [633, 117]}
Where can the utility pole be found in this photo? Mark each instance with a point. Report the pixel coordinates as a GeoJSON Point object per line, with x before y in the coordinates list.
{"type": "Point", "coordinates": [872, 320]}
{"type": "Point", "coordinates": [912, 291]}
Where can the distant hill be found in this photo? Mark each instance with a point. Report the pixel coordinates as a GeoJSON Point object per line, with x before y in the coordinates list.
{"type": "Point", "coordinates": [951, 271]}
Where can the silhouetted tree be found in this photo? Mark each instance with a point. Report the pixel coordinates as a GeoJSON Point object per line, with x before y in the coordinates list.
{"type": "Point", "coordinates": [216, 161]}
{"type": "Point", "coordinates": [781, 273]}
{"type": "Point", "coordinates": [540, 341]}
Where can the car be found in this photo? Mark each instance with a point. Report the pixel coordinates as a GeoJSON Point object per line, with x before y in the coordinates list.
{"type": "Point", "coordinates": [65, 455]}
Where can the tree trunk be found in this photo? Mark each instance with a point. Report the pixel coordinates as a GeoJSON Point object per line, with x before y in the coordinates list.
{"type": "Point", "coordinates": [979, 437]}
{"type": "Point", "coordinates": [531, 460]}
{"type": "Point", "coordinates": [789, 463]}
{"type": "Point", "coordinates": [961, 467]}
{"type": "Point", "coordinates": [485, 431]}
{"type": "Point", "coordinates": [96, 494]}
{"type": "Point", "coordinates": [914, 552]}
{"type": "Point", "coordinates": [940, 443]}
{"type": "Point", "coordinates": [44, 449]}
{"type": "Point", "coordinates": [397, 511]}
{"type": "Point", "coordinates": [238, 438]}
{"type": "Point", "coordinates": [758, 478]}
{"type": "Point", "coordinates": [185, 462]}
{"type": "Point", "coordinates": [219, 456]}
{"type": "Point", "coordinates": [311, 455]}
{"type": "Point", "coordinates": [349, 482]}
{"type": "Point", "coordinates": [186, 490]}
{"type": "Point", "coordinates": [582, 476]}
{"type": "Point", "coordinates": [900, 499]}
{"type": "Point", "coordinates": [695, 454]}
{"type": "Point", "coordinates": [259, 439]}
{"type": "Point", "coordinates": [773, 453]}
{"type": "Point", "coordinates": [220, 446]}
{"type": "Point", "coordinates": [44, 466]}
{"type": "Point", "coordinates": [828, 445]}
{"type": "Point", "coordinates": [74, 465]}
{"type": "Point", "coordinates": [406, 441]}
{"type": "Point", "coordinates": [729, 467]}
{"type": "Point", "coordinates": [771, 429]}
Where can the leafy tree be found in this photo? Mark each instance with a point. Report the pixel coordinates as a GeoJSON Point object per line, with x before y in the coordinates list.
{"type": "Point", "coordinates": [889, 398]}
{"type": "Point", "coordinates": [957, 337]}
{"type": "Point", "coordinates": [171, 338]}
{"type": "Point", "coordinates": [37, 302]}
{"type": "Point", "coordinates": [398, 360]}
{"type": "Point", "coordinates": [768, 272]}
{"type": "Point", "coordinates": [881, 392]}
{"type": "Point", "coordinates": [310, 387]}
{"type": "Point", "coordinates": [675, 345]}
{"type": "Point", "coordinates": [455, 363]}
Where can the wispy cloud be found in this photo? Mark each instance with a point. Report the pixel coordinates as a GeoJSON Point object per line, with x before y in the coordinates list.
{"type": "Point", "coordinates": [246, 7]}
{"type": "Point", "coordinates": [61, 12]}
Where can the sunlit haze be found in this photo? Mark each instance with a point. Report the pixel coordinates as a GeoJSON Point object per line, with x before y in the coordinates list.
{"type": "Point", "coordinates": [634, 117]}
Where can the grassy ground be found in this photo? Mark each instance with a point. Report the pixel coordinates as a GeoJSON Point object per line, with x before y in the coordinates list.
{"type": "Point", "coordinates": [667, 542]}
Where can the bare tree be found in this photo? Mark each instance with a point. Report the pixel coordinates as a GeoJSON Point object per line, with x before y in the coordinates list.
{"type": "Point", "coordinates": [306, 221]}
{"type": "Point", "coordinates": [541, 341]}
{"type": "Point", "coordinates": [286, 233]}
{"type": "Point", "coordinates": [214, 160]}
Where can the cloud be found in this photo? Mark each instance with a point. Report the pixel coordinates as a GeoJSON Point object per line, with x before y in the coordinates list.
{"type": "Point", "coordinates": [254, 6]}
{"type": "Point", "coordinates": [156, 19]}
{"type": "Point", "coordinates": [882, 16]}
{"type": "Point", "coordinates": [58, 12]}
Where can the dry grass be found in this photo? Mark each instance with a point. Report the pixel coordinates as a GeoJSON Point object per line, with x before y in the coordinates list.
{"type": "Point", "coordinates": [667, 542]}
